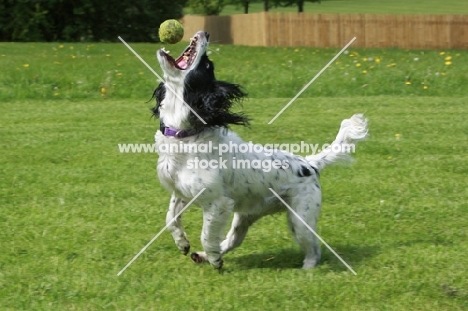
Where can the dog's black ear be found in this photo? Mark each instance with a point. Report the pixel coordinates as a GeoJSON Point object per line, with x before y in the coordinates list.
{"type": "Point", "coordinates": [159, 94]}
{"type": "Point", "coordinates": [215, 104]}
{"type": "Point", "coordinates": [231, 92]}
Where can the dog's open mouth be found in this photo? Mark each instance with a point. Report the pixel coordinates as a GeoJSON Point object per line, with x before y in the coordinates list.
{"type": "Point", "coordinates": [186, 59]}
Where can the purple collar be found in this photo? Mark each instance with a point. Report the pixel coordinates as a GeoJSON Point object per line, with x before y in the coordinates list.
{"type": "Point", "coordinates": [172, 132]}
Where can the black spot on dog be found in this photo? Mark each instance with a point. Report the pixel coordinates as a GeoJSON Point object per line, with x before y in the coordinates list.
{"type": "Point", "coordinates": [304, 172]}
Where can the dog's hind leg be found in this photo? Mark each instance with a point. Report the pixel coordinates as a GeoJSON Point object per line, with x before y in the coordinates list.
{"type": "Point", "coordinates": [215, 217]}
{"type": "Point", "coordinates": [240, 226]}
{"type": "Point", "coordinates": [175, 227]}
{"type": "Point", "coordinates": [308, 208]}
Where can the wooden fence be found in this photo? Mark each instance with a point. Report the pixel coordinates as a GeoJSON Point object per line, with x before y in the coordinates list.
{"type": "Point", "coordinates": [334, 30]}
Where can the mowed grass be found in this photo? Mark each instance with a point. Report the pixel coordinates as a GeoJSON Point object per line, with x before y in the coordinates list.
{"type": "Point", "coordinates": [74, 210]}
{"type": "Point", "coordinates": [364, 6]}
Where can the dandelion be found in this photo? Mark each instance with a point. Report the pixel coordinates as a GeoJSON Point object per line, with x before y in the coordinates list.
{"type": "Point", "coordinates": [391, 65]}
{"type": "Point", "coordinates": [448, 63]}
{"type": "Point", "coordinates": [61, 46]}
{"type": "Point", "coordinates": [140, 73]}
{"type": "Point", "coordinates": [397, 136]}
{"type": "Point", "coordinates": [119, 73]}
{"type": "Point", "coordinates": [103, 90]}
{"type": "Point", "coordinates": [25, 65]}
{"type": "Point", "coordinates": [56, 94]}
{"type": "Point", "coordinates": [364, 71]}
{"type": "Point", "coordinates": [56, 63]}
{"type": "Point", "coordinates": [408, 82]}
{"type": "Point", "coordinates": [296, 50]}
{"type": "Point", "coordinates": [377, 60]}
{"type": "Point", "coordinates": [73, 56]}
{"type": "Point", "coordinates": [425, 87]}
{"type": "Point", "coordinates": [442, 53]}
{"type": "Point", "coordinates": [107, 55]}
{"type": "Point", "coordinates": [358, 65]}
{"type": "Point", "coordinates": [448, 58]}
{"type": "Point", "coordinates": [442, 73]}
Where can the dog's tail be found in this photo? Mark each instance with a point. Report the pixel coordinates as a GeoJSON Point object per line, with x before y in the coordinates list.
{"type": "Point", "coordinates": [351, 131]}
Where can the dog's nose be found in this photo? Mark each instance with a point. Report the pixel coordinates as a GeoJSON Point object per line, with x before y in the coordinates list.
{"type": "Point", "coordinates": [207, 35]}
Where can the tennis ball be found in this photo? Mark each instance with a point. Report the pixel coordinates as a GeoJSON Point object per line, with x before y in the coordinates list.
{"type": "Point", "coordinates": [171, 31]}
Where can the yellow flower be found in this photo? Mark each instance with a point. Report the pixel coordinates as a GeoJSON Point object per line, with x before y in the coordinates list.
{"type": "Point", "coordinates": [358, 65]}
{"type": "Point", "coordinates": [61, 46]}
{"type": "Point", "coordinates": [448, 63]}
{"type": "Point", "coordinates": [55, 94]}
{"type": "Point", "coordinates": [3, 55]}
{"type": "Point", "coordinates": [296, 50]}
{"type": "Point", "coordinates": [425, 87]}
{"type": "Point", "coordinates": [448, 58]}
{"type": "Point", "coordinates": [408, 82]}
{"type": "Point", "coordinates": [397, 136]}
{"type": "Point", "coordinates": [442, 53]}
{"type": "Point", "coordinates": [107, 55]}
{"type": "Point", "coordinates": [364, 71]}
{"type": "Point", "coordinates": [56, 63]}
{"type": "Point", "coordinates": [377, 60]}
{"type": "Point", "coordinates": [140, 73]}
{"type": "Point", "coordinates": [25, 65]}
{"type": "Point", "coordinates": [103, 90]}
{"type": "Point", "coordinates": [442, 73]}
{"type": "Point", "coordinates": [391, 65]}
{"type": "Point", "coordinates": [73, 56]}
{"type": "Point", "coordinates": [119, 73]}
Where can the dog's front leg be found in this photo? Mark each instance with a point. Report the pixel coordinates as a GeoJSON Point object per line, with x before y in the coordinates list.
{"type": "Point", "coordinates": [175, 226]}
{"type": "Point", "coordinates": [215, 217]}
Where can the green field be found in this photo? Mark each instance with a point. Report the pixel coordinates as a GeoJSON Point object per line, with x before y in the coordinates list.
{"type": "Point", "coordinates": [365, 6]}
{"type": "Point", "coordinates": [74, 210]}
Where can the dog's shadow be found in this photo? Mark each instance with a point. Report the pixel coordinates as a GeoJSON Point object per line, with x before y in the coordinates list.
{"type": "Point", "coordinates": [292, 258]}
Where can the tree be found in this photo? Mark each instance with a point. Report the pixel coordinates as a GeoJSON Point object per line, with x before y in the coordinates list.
{"type": "Point", "coordinates": [85, 20]}
{"type": "Point", "coordinates": [243, 3]}
{"type": "Point", "coordinates": [206, 7]}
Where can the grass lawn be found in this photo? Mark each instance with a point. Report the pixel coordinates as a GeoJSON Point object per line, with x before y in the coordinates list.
{"type": "Point", "coordinates": [74, 210]}
{"type": "Point", "coordinates": [364, 6]}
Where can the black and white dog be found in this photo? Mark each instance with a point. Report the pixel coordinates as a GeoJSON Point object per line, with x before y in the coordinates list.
{"type": "Point", "coordinates": [190, 85]}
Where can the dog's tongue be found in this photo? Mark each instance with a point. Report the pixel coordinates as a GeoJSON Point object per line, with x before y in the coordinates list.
{"type": "Point", "coordinates": [182, 63]}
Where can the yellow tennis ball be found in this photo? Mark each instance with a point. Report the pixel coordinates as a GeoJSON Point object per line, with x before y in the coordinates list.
{"type": "Point", "coordinates": [171, 31]}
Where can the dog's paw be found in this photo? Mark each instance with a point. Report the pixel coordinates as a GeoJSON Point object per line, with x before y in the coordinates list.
{"type": "Point", "coordinates": [217, 264]}
{"type": "Point", "coordinates": [199, 257]}
{"type": "Point", "coordinates": [183, 245]}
